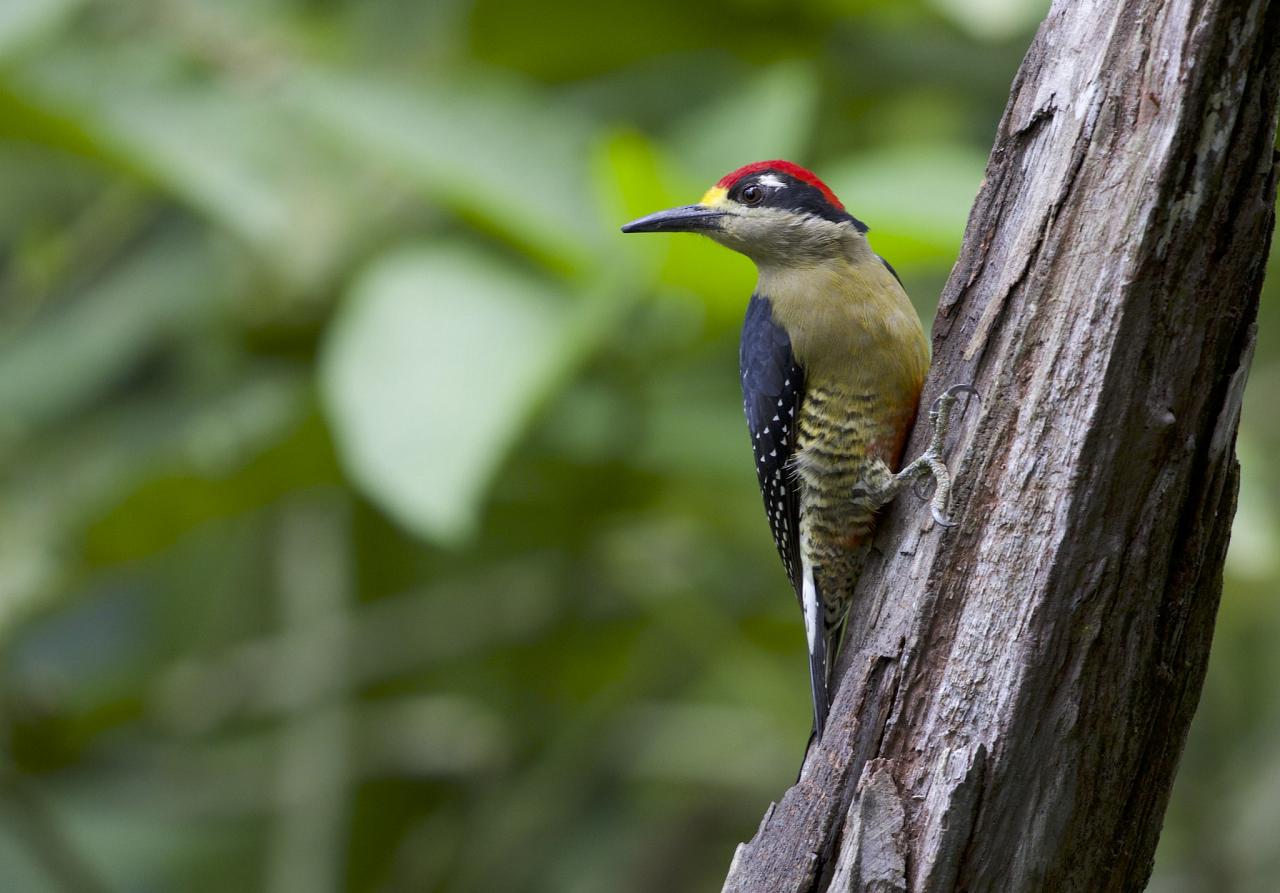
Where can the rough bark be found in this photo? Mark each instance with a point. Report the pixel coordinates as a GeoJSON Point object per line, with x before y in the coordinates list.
{"type": "Point", "coordinates": [1016, 690]}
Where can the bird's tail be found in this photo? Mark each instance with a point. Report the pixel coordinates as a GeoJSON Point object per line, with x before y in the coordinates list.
{"type": "Point", "coordinates": [821, 698]}
{"type": "Point", "coordinates": [819, 677]}
{"type": "Point", "coordinates": [815, 628]}
{"type": "Point", "coordinates": [823, 652]}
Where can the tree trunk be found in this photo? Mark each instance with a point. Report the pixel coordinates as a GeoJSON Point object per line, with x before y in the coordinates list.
{"type": "Point", "coordinates": [1016, 690]}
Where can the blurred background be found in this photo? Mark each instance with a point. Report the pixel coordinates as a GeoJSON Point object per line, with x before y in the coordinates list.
{"type": "Point", "coordinates": [375, 517]}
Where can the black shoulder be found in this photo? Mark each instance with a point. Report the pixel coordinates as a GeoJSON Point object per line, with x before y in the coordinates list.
{"type": "Point", "coordinates": [772, 388]}
{"type": "Point", "coordinates": [888, 266]}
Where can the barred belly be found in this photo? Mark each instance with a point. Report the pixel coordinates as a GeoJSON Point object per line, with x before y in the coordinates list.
{"type": "Point", "coordinates": [845, 441]}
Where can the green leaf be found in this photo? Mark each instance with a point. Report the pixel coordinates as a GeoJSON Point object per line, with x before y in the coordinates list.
{"type": "Point", "coordinates": [916, 198]}
{"type": "Point", "coordinates": [232, 154]}
{"type": "Point", "coordinates": [429, 373]}
{"type": "Point", "coordinates": [237, 161]}
{"type": "Point", "coordinates": [172, 286]}
{"type": "Point", "coordinates": [24, 20]}
{"type": "Point", "coordinates": [132, 477]}
{"type": "Point", "coordinates": [993, 20]}
{"type": "Point", "coordinates": [495, 150]}
{"type": "Point", "coordinates": [772, 116]}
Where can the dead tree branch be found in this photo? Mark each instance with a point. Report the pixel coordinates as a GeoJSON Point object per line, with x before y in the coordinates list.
{"type": "Point", "coordinates": [1017, 690]}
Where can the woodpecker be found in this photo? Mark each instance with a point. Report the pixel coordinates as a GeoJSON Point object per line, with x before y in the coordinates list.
{"type": "Point", "coordinates": [833, 358]}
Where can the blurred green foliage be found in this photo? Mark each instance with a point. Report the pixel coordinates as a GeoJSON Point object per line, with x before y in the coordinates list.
{"type": "Point", "coordinates": [375, 517]}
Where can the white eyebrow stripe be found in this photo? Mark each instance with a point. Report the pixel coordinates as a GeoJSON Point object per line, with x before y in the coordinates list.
{"type": "Point", "coordinates": [771, 180]}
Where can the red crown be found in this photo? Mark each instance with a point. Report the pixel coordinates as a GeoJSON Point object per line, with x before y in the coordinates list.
{"type": "Point", "coordinates": [782, 167]}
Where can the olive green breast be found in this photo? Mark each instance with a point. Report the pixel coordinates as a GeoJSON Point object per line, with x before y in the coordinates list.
{"type": "Point", "coordinates": [852, 329]}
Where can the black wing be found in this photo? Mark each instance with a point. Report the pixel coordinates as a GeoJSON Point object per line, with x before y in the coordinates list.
{"type": "Point", "coordinates": [772, 387]}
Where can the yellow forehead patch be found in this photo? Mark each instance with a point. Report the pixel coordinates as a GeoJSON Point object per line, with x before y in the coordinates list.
{"type": "Point", "coordinates": [714, 196]}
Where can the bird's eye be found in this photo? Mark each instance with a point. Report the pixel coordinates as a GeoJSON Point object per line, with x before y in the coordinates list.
{"type": "Point", "coordinates": [751, 195]}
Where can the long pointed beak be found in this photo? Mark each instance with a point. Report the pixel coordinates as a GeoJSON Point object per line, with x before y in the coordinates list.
{"type": "Point", "coordinates": [688, 219]}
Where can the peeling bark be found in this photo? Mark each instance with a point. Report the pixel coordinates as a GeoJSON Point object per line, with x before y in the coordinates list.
{"type": "Point", "coordinates": [1016, 691]}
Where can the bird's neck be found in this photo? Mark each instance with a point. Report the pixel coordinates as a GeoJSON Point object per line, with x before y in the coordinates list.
{"type": "Point", "coordinates": [850, 322]}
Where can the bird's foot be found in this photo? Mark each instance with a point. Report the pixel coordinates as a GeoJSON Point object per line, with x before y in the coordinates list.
{"type": "Point", "coordinates": [930, 463]}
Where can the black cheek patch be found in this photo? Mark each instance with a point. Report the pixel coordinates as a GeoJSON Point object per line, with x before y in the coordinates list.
{"type": "Point", "coordinates": [802, 198]}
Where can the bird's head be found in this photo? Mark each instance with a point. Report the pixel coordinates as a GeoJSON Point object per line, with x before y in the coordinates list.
{"type": "Point", "coordinates": [775, 212]}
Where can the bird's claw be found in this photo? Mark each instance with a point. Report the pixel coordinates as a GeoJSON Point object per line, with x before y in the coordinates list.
{"type": "Point", "coordinates": [940, 413]}
{"type": "Point", "coordinates": [930, 464]}
{"type": "Point", "coordinates": [951, 394]}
